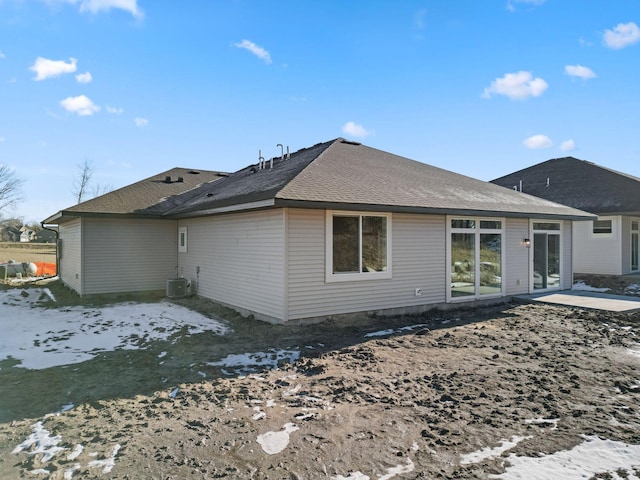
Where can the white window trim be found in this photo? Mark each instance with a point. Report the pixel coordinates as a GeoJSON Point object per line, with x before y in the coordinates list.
{"type": "Point", "coordinates": [477, 231]}
{"type": "Point", "coordinates": [605, 235]}
{"type": "Point", "coordinates": [331, 277]}
{"type": "Point", "coordinates": [560, 233]}
{"type": "Point", "coordinates": [182, 248]}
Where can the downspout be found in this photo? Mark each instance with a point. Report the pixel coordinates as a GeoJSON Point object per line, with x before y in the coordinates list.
{"type": "Point", "coordinates": [42, 224]}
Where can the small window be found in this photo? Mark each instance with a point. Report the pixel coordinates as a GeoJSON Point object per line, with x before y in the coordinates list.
{"type": "Point", "coordinates": [182, 240]}
{"type": "Point", "coordinates": [463, 223]}
{"type": "Point", "coordinates": [602, 227]}
{"type": "Point", "coordinates": [546, 226]}
{"type": "Point", "coordinates": [358, 246]}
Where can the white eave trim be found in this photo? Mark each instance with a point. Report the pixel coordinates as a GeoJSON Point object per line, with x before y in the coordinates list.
{"type": "Point", "coordinates": [230, 208]}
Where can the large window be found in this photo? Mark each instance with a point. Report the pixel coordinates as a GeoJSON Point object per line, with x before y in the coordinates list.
{"type": "Point", "coordinates": [358, 246]}
{"type": "Point", "coordinates": [475, 257]}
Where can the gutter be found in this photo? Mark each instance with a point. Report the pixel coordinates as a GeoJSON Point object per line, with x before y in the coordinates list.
{"type": "Point", "coordinates": [54, 230]}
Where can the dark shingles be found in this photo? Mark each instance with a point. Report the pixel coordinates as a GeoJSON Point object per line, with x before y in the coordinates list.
{"type": "Point", "coordinates": [149, 197]}
{"type": "Point", "coordinates": [579, 184]}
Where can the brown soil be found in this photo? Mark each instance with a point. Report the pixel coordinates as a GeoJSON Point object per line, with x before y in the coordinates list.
{"type": "Point", "coordinates": [27, 252]}
{"type": "Point", "coordinates": [421, 397]}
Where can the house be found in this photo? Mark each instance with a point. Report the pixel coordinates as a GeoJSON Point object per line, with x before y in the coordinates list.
{"type": "Point", "coordinates": [605, 245]}
{"type": "Point", "coordinates": [332, 229]}
{"type": "Point", "coordinates": [45, 236]}
{"type": "Point", "coordinates": [27, 234]}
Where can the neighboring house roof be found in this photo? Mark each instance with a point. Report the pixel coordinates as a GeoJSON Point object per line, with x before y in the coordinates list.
{"type": "Point", "coordinates": [343, 174]}
{"type": "Point", "coordinates": [337, 174]}
{"type": "Point", "coordinates": [152, 196]}
{"type": "Point", "coordinates": [580, 184]}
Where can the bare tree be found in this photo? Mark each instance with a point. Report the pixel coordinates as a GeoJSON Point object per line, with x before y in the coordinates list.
{"type": "Point", "coordinates": [81, 181]}
{"type": "Point", "coordinates": [10, 187]}
{"type": "Point", "coordinates": [99, 189]}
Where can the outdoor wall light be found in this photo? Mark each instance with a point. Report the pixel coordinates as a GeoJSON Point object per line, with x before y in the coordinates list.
{"type": "Point", "coordinates": [526, 242]}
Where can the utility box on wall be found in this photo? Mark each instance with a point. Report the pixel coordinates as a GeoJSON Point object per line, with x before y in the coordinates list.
{"type": "Point", "coordinates": [177, 287]}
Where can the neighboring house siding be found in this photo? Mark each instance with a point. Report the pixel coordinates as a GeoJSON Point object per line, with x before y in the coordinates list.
{"type": "Point", "coordinates": [516, 269]}
{"type": "Point", "coordinates": [128, 255]}
{"type": "Point", "coordinates": [418, 261]}
{"type": "Point", "coordinates": [241, 259]}
{"type": "Point", "coordinates": [597, 254]}
{"type": "Point", "coordinates": [70, 235]}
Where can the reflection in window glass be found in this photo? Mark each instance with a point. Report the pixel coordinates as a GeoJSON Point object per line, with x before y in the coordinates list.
{"type": "Point", "coordinates": [374, 244]}
{"type": "Point", "coordinates": [546, 226]}
{"type": "Point", "coordinates": [346, 244]}
{"type": "Point", "coordinates": [602, 227]}
{"type": "Point", "coordinates": [491, 224]}
{"type": "Point", "coordinates": [462, 264]}
{"type": "Point", "coordinates": [490, 263]}
{"type": "Point", "coordinates": [463, 223]}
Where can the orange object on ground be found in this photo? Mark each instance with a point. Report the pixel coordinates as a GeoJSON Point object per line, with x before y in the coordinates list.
{"type": "Point", "coordinates": [45, 269]}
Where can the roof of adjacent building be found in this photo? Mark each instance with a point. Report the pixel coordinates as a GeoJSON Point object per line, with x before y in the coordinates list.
{"type": "Point", "coordinates": [151, 196]}
{"type": "Point", "coordinates": [579, 184]}
{"type": "Point", "coordinates": [338, 174]}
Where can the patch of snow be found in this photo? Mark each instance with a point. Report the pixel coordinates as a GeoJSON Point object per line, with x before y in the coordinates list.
{"type": "Point", "coordinates": [391, 472]}
{"type": "Point", "coordinates": [635, 350]}
{"type": "Point", "coordinates": [486, 453]}
{"type": "Point", "coordinates": [42, 441]}
{"type": "Point", "coordinates": [39, 471]}
{"type": "Point", "coordinates": [245, 363]}
{"type": "Point", "coordinates": [585, 460]}
{"type": "Point", "coordinates": [580, 285]}
{"type": "Point", "coordinates": [174, 392]}
{"type": "Point", "coordinates": [259, 416]}
{"type": "Point", "coordinates": [270, 403]}
{"type": "Point", "coordinates": [352, 476]}
{"type": "Point", "coordinates": [76, 452]}
{"type": "Point", "coordinates": [162, 354]}
{"type": "Point", "coordinates": [275, 442]}
{"type": "Point", "coordinates": [40, 338]}
{"type": "Point", "coordinates": [108, 463]}
{"type": "Point", "coordinates": [553, 421]}
{"type": "Point", "coordinates": [391, 331]}
{"type": "Point", "coordinates": [68, 473]}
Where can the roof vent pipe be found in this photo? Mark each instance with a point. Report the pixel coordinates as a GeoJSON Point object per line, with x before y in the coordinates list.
{"type": "Point", "coordinates": [520, 185]}
{"type": "Point", "coordinates": [167, 179]}
{"type": "Point", "coordinates": [281, 151]}
{"type": "Point", "coordinates": [260, 160]}
{"type": "Point", "coordinates": [288, 154]}
{"type": "Point", "coordinates": [547, 181]}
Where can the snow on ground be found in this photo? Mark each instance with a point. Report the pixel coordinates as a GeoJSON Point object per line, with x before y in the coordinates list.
{"type": "Point", "coordinates": [245, 363]}
{"type": "Point", "coordinates": [488, 452]}
{"type": "Point", "coordinates": [392, 331]}
{"type": "Point", "coordinates": [41, 338]}
{"type": "Point", "coordinates": [591, 457]}
{"type": "Point", "coordinates": [588, 288]}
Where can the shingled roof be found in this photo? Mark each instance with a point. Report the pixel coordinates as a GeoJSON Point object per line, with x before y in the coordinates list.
{"type": "Point", "coordinates": [152, 196]}
{"type": "Point", "coordinates": [579, 184]}
{"type": "Point", "coordinates": [348, 175]}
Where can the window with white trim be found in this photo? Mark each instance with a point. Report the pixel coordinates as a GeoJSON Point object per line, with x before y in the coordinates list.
{"type": "Point", "coordinates": [603, 227]}
{"type": "Point", "coordinates": [182, 240]}
{"type": "Point", "coordinates": [358, 246]}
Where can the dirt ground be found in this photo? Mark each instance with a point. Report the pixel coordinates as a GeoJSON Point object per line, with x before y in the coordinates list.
{"type": "Point", "coordinates": [27, 253]}
{"type": "Point", "coordinates": [412, 402]}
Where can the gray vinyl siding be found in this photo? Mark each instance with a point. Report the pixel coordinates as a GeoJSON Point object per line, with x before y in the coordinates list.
{"type": "Point", "coordinates": [597, 254]}
{"type": "Point", "coordinates": [566, 278]}
{"type": "Point", "coordinates": [70, 235]}
{"type": "Point", "coordinates": [128, 255]}
{"type": "Point", "coordinates": [241, 259]}
{"type": "Point", "coordinates": [418, 261]}
{"type": "Point", "coordinates": [516, 268]}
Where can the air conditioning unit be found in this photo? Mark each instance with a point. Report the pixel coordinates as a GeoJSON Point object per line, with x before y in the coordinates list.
{"type": "Point", "coordinates": [177, 287]}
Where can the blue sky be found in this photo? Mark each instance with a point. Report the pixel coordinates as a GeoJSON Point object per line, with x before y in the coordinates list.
{"type": "Point", "coordinates": [482, 88]}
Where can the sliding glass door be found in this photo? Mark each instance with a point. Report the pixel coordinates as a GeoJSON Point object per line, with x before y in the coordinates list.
{"type": "Point", "coordinates": [546, 256]}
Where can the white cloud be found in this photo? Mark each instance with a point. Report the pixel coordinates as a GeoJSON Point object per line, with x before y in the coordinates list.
{"type": "Point", "coordinates": [113, 110]}
{"type": "Point", "coordinates": [97, 6]}
{"type": "Point", "coordinates": [355, 130]}
{"type": "Point", "coordinates": [622, 35]}
{"type": "Point", "coordinates": [82, 105]}
{"type": "Point", "coordinates": [255, 49]}
{"type": "Point", "coordinates": [511, 7]}
{"type": "Point", "coordinates": [2, 55]}
{"type": "Point", "coordinates": [537, 141]}
{"type": "Point", "coordinates": [568, 145]}
{"type": "Point", "coordinates": [516, 86]}
{"type": "Point", "coordinates": [84, 77]}
{"type": "Point", "coordinates": [579, 71]}
{"type": "Point", "coordinates": [141, 122]}
{"type": "Point", "coordinates": [46, 68]}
